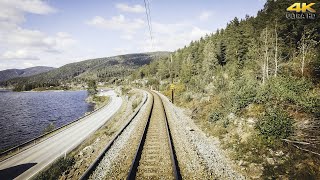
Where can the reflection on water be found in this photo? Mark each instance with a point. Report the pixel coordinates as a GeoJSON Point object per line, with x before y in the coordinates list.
{"type": "Point", "coordinates": [24, 115]}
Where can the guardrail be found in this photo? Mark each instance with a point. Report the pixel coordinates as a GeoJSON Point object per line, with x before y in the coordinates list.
{"type": "Point", "coordinates": [28, 144]}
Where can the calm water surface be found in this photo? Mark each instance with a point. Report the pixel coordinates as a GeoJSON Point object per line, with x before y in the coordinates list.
{"type": "Point", "coordinates": [24, 115]}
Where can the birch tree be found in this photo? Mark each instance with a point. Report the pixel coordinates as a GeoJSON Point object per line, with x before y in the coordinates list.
{"type": "Point", "coordinates": [306, 46]}
{"type": "Point", "coordinates": [276, 51]}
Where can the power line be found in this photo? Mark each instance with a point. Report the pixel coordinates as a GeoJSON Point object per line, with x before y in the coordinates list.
{"type": "Point", "coordinates": [148, 3]}
{"type": "Point", "coordinates": [147, 7]}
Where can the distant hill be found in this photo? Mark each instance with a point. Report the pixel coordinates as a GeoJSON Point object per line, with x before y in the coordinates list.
{"type": "Point", "coordinates": [14, 73]}
{"type": "Point", "coordinates": [100, 69]}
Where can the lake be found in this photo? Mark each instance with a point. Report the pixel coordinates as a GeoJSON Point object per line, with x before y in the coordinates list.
{"type": "Point", "coordinates": [24, 115]}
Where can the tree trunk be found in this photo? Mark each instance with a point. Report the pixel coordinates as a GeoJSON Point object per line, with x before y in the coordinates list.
{"type": "Point", "coordinates": [303, 59]}
{"type": "Point", "coordinates": [276, 53]}
{"type": "Point", "coordinates": [263, 72]}
{"type": "Point", "coordinates": [267, 55]}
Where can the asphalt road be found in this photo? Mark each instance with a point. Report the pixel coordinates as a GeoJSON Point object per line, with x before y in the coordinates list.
{"type": "Point", "coordinates": [29, 162]}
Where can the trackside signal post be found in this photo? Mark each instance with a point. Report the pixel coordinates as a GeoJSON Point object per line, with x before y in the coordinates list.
{"type": "Point", "coordinates": [172, 93]}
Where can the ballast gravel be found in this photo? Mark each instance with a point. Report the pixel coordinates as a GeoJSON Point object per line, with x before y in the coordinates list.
{"type": "Point", "coordinates": [199, 156]}
{"type": "Point", "coordinates": [116, 162]}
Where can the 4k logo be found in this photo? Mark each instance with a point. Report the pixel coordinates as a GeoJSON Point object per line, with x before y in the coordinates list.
{"type": "Point", "coordinates": [301, 7]}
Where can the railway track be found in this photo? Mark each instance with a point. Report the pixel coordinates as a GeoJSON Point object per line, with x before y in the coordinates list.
{"type": "Point", "coordinates": [154, 154]}
{"type": "Point", "coordinates": [155, 157]}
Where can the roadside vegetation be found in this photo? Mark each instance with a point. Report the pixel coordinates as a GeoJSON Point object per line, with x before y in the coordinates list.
{"type": "Point", "coordinates": [93, 97]}
{"type": "Point", "coordinates": [50, 127]}
{"type": "Point", "coordinates": [54, 171]}
{"type": "Point", "coordinates": [75, 163]}
{"type": "Point", "coordinates": [255, 86]}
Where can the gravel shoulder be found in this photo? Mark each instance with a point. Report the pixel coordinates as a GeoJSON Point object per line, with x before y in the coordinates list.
{"type": "Point", "coordinates": [199, 156]}
{"type": "Point", "coordinates": [89, 150]}
{"type": "Point", "coordinates": [117, 161]}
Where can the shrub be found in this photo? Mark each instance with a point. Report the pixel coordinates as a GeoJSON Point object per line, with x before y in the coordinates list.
{"type": "Point", "coordinates": [50, 127]}
{"type": "Point", "coordinates": [56, 168]}
{"type": "Point", "coordinates": [275, 124]}
{"type": "Point", "coordinates": [243, 93]}
{"type": "Point", "coordinates": [215, 116]}
{"type": "Point", "coordinates": [280, 89]}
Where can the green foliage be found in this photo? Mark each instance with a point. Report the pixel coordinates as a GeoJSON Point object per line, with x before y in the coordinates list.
{"type": "Point", "coordinates": [289, 90]}
{"type": "Point", "coordinates": [243, 92]}
{"type": "Point", "coordinates": [252, 68]}
{"type": "Point", "coordinates": [49, 128]}
{"type": "Point", "coordinates": [100, 69]}
{"type": "Point", "coordinates": [100, 99]}
{"type": "Point", "coordinates": [275, 124]}
{"type": "Point", "coordinates": [92, 87]}
{"type": "Point", "coordinates": [56, 169]}
{"type": "Point", "coordinates": [215, 116]}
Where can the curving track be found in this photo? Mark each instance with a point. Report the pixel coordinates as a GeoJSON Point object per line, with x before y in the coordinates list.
{"type": "Point", "coordinates": [153, 155]}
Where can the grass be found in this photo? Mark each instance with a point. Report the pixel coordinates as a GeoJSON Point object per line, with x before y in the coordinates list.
{"type": "Point", "coordinates": [105, 133]}
{"type": "Point", "coordinates": [136, 102]}
{"type": "Point", "coordinates": [55, 170]}
{"type": "Point", "coordinates": [264, 114]}
{"type": "Point", "coordinates": [98, 101]}
{"type": "Point", "coordinates": [50, 127]}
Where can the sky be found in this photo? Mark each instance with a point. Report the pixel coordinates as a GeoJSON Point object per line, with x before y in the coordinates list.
{"type": "Point", "coordinates": [57, 32]}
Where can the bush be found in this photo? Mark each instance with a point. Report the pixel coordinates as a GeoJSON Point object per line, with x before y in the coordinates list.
{"type": "Point", "coordinates": [243, 92]}
{"type": "Point", "coordinates": [281, 90]}
{"type": "Point", "coordinates": [50, 127]}
{"type": "Point", "coordinates": [275, 124]}
{"type": "Point", "coordinates": [215, 116]}
{"type": "Point", "coordinates": [56, 169]}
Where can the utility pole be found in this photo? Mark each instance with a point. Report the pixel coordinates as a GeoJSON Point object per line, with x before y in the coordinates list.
{"type": "Point", "coordinates": [172, 86]}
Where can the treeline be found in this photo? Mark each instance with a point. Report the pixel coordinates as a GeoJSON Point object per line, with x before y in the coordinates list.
{"type": "Point", "coordinates": [270, 44]}
{"type": "Point", "coordinates": [265, 67]}
{"type": "Point", "coordinates": [100, 69]}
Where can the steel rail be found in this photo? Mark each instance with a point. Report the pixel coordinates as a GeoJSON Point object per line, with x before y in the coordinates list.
{"type": "Point", "coordinates": [135, 163]}
{"type": "Point", "coordinates": [97, 161]}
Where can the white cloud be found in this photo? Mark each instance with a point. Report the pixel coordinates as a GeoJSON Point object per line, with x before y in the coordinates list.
{"type": "Point", "coordinates": [22, 54]}
{"type": "Point", "coordinates": [22, 44]}
{"type": "Point", "coordinates": [132, 9]}
{"type": "Point", "coordinates": [35, 40]}
{"type": "Point", "coordinates": [205, 15]}
{"type": "Point", "coordinates": [169, 37]}
{"type": "Point", "coordinates": [117, 23]}
{"type": "Point", "coordinates": [13, 10]}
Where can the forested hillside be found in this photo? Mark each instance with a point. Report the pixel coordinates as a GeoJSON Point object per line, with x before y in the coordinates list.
{"type": "Point", "coordinates": [100, 69]}
{"type": "Point", "coordinates": [14, 73]}
{"type": "Point", "coordinates": [255, 86]}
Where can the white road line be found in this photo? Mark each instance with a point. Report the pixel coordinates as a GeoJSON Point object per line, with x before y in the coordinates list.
{"type": "Point", "coordinates": [56, 146]}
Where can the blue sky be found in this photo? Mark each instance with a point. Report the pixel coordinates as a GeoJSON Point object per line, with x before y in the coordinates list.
{"type": "Point", "coordinates": [57, 32]}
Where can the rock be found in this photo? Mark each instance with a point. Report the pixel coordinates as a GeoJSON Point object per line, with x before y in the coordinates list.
{"type": "Point", "coordinates": [189, 129]}
{"type": "Point", "coordinates": [271, 152]}
{"type": "Point", "coordinates": [88, 149]}
{"type": "Point", "coordinates": [240, 163]}
{"type": "Point", "coordinates": [251, 121]}
{"type": "Point", "coordinates": [270, 161]}
{"type": "Point", "coordinates": [255, 170]}
{"type": "Point", "coordinates": [72, 172]}
{"type": "Point", "coordinates": [63, 177]}
{"type": "Point", "coordinates": [80, 154]}
{"type": "Point", "coordinates": [231, 116]}
{"type": "Point", "coordinates": [279, 153]}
